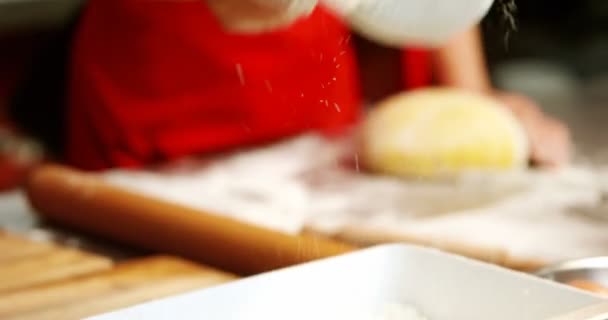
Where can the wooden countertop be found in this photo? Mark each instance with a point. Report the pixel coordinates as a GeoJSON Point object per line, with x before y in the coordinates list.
{"type": "Point", "coordinates": [48, 281]}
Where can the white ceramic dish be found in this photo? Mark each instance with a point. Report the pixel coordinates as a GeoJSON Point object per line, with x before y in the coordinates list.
{"type": "Point", "coordinates": [441, 286]}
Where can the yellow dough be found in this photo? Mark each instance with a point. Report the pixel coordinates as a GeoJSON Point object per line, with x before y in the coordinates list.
{"type": "Point", "coordinates": [442, 132]}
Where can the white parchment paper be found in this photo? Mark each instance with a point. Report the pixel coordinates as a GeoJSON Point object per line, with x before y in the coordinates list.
{"type": "Point", "coordinates": [304, 182]}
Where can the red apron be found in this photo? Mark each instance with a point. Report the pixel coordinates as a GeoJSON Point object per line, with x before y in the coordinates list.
{"type": "Point", "coordinates": [157, 80]}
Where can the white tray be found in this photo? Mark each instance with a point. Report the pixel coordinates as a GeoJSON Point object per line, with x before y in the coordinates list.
{"type": "Point", "coordinates": [441, 286]}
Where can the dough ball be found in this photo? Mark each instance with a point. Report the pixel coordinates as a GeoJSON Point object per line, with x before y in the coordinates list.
{"type": "Point", "coordinates": [442, 132]}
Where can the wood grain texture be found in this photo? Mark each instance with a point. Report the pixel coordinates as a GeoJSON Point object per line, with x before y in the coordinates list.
{"type": "Point", "coordinates": [127, 284]}
{"type": "Point", "coordinates": [117, 301]}
{"type": "Point", "coordinates": [46, 267]}
{"type": "Point", "coordinates": [14, 248]}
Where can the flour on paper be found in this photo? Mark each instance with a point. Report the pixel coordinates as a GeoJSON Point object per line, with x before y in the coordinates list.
{"type": "Point", "coordinates": [300, 183]}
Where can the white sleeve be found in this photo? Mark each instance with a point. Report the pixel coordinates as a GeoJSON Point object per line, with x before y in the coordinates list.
{"type": "Point", "coordinates": [399, 23]}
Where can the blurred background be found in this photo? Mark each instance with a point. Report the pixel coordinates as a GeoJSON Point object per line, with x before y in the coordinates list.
{"type": "Point", "coordinates": [559, 55]}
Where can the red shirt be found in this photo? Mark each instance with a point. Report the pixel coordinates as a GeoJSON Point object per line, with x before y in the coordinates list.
{"type": "Point", "coordinates": [158, 80]}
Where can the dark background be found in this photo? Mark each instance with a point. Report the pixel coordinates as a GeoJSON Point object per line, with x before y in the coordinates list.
{"type": "Point", "coordinates": [574, 32]}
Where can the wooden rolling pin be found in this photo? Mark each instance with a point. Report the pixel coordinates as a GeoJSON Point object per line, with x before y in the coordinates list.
{"type": "Point", "coordinates": [84, 202]}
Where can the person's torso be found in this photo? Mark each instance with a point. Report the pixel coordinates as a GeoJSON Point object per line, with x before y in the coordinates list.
{"type": "Point", "coordinates": [156, 80]}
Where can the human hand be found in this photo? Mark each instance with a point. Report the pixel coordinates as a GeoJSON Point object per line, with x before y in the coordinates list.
{"type": "Point", "coordinates": [550, 142]}
{"type": "Point", "coordinates": [255, 16]}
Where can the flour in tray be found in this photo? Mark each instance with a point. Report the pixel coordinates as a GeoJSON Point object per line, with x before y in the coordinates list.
{"type": "Point", "coordinates": [393, 311]}
{"type": "Point", "coordinates": [339, 311]}
{"type": "Point", "coordinates": [384, 311]}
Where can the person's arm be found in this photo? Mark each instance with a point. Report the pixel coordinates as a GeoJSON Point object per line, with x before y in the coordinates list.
{"type": "Point", "coordinates": [461, 63]}
{"type": "Point", "coordinates": [253, 16]}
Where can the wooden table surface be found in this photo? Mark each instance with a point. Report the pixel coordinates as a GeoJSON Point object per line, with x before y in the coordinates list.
{"type": "Point", "coordinates": [46, 281]}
